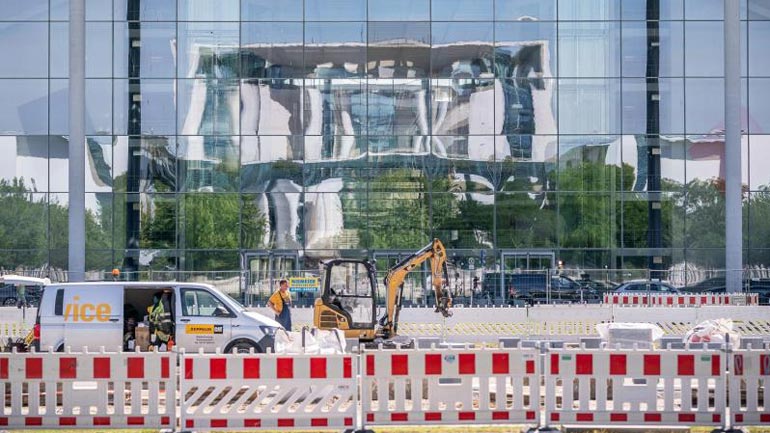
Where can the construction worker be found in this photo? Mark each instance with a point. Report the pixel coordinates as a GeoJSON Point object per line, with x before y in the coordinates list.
{"type": "Point", "coordinates": [161, 323]}
{"type": "Point", "coordinates": [280, 303]}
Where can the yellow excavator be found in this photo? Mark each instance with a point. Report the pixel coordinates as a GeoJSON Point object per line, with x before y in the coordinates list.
{"type": "Point", "coordinates": [349, 296]}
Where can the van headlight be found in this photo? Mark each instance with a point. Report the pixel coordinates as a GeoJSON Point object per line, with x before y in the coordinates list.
{"type": "Point", "coordinates": [268, 330]}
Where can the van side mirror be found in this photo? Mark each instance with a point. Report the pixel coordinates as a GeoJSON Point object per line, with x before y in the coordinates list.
{"type": "Point", "coordinates": [221, 312]}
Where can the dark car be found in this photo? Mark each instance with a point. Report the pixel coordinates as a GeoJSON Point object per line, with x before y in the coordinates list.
{"type": "Point", "coordinates": [760, 286]}
{"type": "Point", "coordinates": [646, 286]}
{"type": "Point", "coordinates": [534, 288]}
{"type": "Point", "coordinates": [9, 297]}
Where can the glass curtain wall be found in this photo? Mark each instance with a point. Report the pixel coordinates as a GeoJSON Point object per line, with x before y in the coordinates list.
{"type": "Point", "coordinates": [590, 129]}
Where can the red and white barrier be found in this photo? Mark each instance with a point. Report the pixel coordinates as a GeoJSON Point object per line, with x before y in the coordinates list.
{"type": "Point", "coordinates": [750, 377]}
{"type": "Point", "coordinates": [253, 391]}
{"type": "Point", "coordinates": [448, 386]}
{"type": "Point", "coordinates": [627, 387]}
{"type": "Point", "coordinates": [680, 299]}
{"type": "Point", "coordinates": [87, 390]}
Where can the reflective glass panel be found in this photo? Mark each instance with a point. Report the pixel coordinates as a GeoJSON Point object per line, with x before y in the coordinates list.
{"type": "Point", "coordinates": [461, 50]}
{"type": "Point", "coordinates": [462, 107]}
{"type": "Point", "coordinates": [24, 106]}
{"type": "Point", "coordinates": [271, 10]}
{"type": "Point", "coordinates": [397, 219]}
{"type": "Point", "coordinates": [151, 108]}
{"type": "Point", "coordinates": [589, 10]}
{"type": "Point", "coordinates": [155, 10]}
{"type": "Point", "coordinates": [639, 223]}
{"type": "Point", "coordinates": [530, 175]}
{"type": "Point", "coordinates": [271, 50]}
{"type": "Point", "coordinates": [209, 107]}
{"type": "Point", "coordinates": [58, 163]}
{"type": "Point", "coordinates": [266, 148]}
{"type": "Point", "coordinates": [398, 50]}
{"type": "Point", "coordinates": [705, 162]}
{"type": "Point", "coordinates": [224, 261]}
{"type": "Point", "coordinates": [525, 106]}
{"type": "Point", "coordinates": [463, 220]}
{"type": "Point", "coordinates": [155, 49]}
{"type": "Point", "coordinates": [337, 178]}
{"type": "Point", "coordinates": [152, 161]}
{"type": "Point", "coordinates": [758, 10]}
{"type": "Point", "coordinates": [24, 47]}
{"type": "Point", "coordinates": [759, 49]}
{"type": "Point", "coordinates": [397, 107]}
{"type": "Point", "coordinates": [704, 105]}
{"type": "Point", "coordinates": [334, 148]}
{"type": "Point", "coordinates": [653, 106]}
{"type": "Point", "coordinates": [98, 163]}
{"type": "Point", "coordinates": [461, 175]}
{"type": "Point", "coordinates": [25, 10]}
{"type": "Point", "coordinates": [99, 223]}
{"type": "Point", "coordinates": [271, 107]}
{"type": "Point", "coordinates": [399, 10]}
{"type": "Point", "coordinates": [98, 49]}
{"type": "Point", "coordinates": [157, 219]}
{"type": "Point", "coordinates": [59, 50]}
{"type": "Point", "coordinates": [335, 220]}
{"type": "Point", "coordinates": [98, 106]}
{"type": "Point", "coordinates": [208, 50]}
{"type": "Point", "coordinates": [589, 49]}
{"type": "Point", "coordinates": [525, 10]}
{"type": "Point", "coordinates": [334, 107]}
{"type": "Point", "coordinates": [463, 148]}
{"type": "Point", "coordinates": [275, 176]}
{"type": "Point", "coordinates": [28, 214]}
{"type": "Point", "coordinates": [759, 155]}
{"type": "Point", "coordinates": [637, 37]}
{"type": "Point", "coordinates": [524, 49]}
{"type": "Point", "coordinates": [590, 163]}
{"type": "Point", "coordinates": [704, 10]}
{"type": "Point", "coordinates": [210, 220]}
{"type": "Point", "coordinates": [589, 106]}
{"type": "Point", "coordinates": [254, 222]}
{"type": "Point", "coordinates": [588, 220]}
{"type": "Point", "coordinates": [759, 107]}
{"type": "Point", "coordinates": [335, 10]}
{"type": "Point", "coordinates": [335, 50]}
{"type": "Point", "coordinates": [209, 10]}
{"type": "Point", "coordinates": [279, 214]}
{"type": "Point", "coordinates": [704, 49]}
{"type": "Point", "coordinates": [26, 160]}
{"type": "Point", "coordinates": [208, 163]}
{"type": "Point", "coordinates": [525, 220]}
{"type": "Point", "coordinates": [637, 168]}
{"type": "Point", "coordinates": [637, 10]}
{"type": "Point", "coordinates": [462, 10]}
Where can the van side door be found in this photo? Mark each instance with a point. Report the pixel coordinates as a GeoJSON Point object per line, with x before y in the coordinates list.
{"type": "Point", "coordinates": [93, 317]}
{"type": "Point", "coordinates": [203, 320]}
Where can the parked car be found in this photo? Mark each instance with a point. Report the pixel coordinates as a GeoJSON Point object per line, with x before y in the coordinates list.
{"type": "Point", "coordinates": [535, 288]}
{"type": "Point", "coordinates": [646, 286]}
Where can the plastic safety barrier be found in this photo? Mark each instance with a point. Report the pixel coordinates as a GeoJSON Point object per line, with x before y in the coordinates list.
{"type": "Point", "coordinates": [450, 386]}
{"type": "Point", "coordinates": [634, 387]}
{"type": "Point", "coordinates": [87, 390]}
{"type": "Point", "coordinates": [750, 387]}
{"type": "Point", "coordinates": [681, 299]}
{"type": "Point", "coordinates": [253, 391]}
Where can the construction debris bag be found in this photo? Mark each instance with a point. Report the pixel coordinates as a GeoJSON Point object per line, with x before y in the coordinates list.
{"type": "Point", "coordinates": [713, 331]}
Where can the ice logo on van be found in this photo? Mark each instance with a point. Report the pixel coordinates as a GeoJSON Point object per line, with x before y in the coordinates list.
{"type": "Point", "coordinates": [77, 312]}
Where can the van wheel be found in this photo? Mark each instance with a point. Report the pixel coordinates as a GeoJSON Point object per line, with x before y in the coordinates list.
{"type": "Point", "coordinates": [242, 346]}
{"type": "Point", "coordinates": [9, 302]}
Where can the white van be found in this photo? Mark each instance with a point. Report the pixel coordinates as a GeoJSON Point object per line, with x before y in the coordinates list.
{"type": "Point", "coordinates": [93, 315]}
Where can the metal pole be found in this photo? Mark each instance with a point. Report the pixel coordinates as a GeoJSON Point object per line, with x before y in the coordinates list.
{"type": "Point", "coordinates": [733, 202]}
{"type": "Point", "coordinates": [77, 157]}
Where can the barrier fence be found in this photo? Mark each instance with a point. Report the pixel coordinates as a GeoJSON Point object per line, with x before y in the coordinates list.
{"type": "Point", "coordinates": [680, 300]}
{"type": "Point", "coordinates": [533, 386]}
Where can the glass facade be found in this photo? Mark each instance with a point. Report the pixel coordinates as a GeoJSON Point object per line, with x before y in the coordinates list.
{"type": "Point", "coordinates": [227, 135]}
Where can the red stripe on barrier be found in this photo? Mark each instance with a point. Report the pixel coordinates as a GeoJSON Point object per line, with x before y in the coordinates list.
{"type": "Point", "coordinates": [401, 416]}
{"type": "Point", "coordinates": [319, 422]}
{"type": "Point", "coordinates": [716, 418]}
{"type": "Point", "coordinates": [738, 417]}
{"type": "Point", "coordinates": [285, 422]}
{"type": "Point", "coordinates": [670, 301]}
{"type": "Point", "coordinates": [135, 369]}
{"type": "Point", "coordinates": [164, 419]}
{"type": "Point", "coordinates": [369, 417]}
{"type": "Point", "coordinates": [686, 417]}
{"type": "Point", "coordinates": [680, 301]}
{"type": "Point", "coordinates": [399, 365]}
{"type": "Point", "coordinates": [644, 300]}
{"type": "Point", "coordinates": [625, 299]}
{"type": "Point", "coordinates": [218, 368]}
{"type": "Point", "coordinates": [33, 421]}
{"type": "Point", "coordinates": [432, 416]}
{"type": "Point", "coordinates": [252, 423]}
{"type": "Point", "coordinates": [348, 421]}
{"type": "Point", "coordinates": [554, 363]}
{"type": "Point", "coordinates": [466, 416]}
{"type": "Point", "coordinates": [285, 368]}
{"type": "Point", "coordinates": [432, 363]}
{"type": "Point", "coordinates": [3, 421]}
{"type": "Point", "coordinates": [554, 417]}
{"type": "Point", "coordinates": [502, 415]}
{"type": "Point", "coordinates": [370, 365]}
{"type": "Point", "coordinates": [101, 368]}
{"type": "Point", "coordinates": [652, 365]}
{"type": "Point", "coordinates": [68, 420]}
{"type": "Point", "coordinates": [765, 417]}
{"type": "Point", "coordinates": [692, 300]}
{"type": "Point", "coordinates": [33, 368]}
{"type": "Point", "coordinates": [704, 300]}
{"type": "Point", "coordinates": [347, 367]}
{"type": "Point", "coordinates": [221, 423]}
{"type": "Point", "coordinates": [101, 420]}
{"type": "Point", "coordinates": [135, 420]}
{"type": "Point", "coordinates": [685, 365]}
{"type": "Point", "coordinates": [618, 364]}
{"type": "Point", "coordinates": [764, 365]}
{"type": "Point", "coordinates": [584, 364]}
{"type": "Point", "coordinates": [188, 368]}
{"type": "Point", "coordinates": [164, 369]}
{"type": "Point", "coordinates": [318, 368]}
{"type": "Point", "coordinates": [3, 368]}
{"type": "Point", "coordinates": [652, 417]}
{"type": "Point", "coordinates": [68, 368]}
{"type": "Point", "coordinates": [530, 415]}
{"type": "Point", "coordinates": [584, 417]}
{"type": "Point", "coordinates": [618, 417]}
{"type": "Point", "coordinates": [530, 369]}
{"type": "Point", "coordinates": [715, 365]}
{"type": "Point", "coordinates": [500, 363]}
{"type": "Point", "coordinates": [467, 363]}
{"type": "Point", "coordinates": [251, 368]}
{"type": "Point", "coordinates": [189, 423]}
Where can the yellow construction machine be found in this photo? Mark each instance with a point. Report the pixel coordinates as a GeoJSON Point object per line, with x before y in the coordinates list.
{"type": "Point", "coordinates": [349, 296]}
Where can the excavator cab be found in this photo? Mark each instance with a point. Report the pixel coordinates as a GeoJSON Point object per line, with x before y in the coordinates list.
{"type": "Point", "coordinates": [349, 298]}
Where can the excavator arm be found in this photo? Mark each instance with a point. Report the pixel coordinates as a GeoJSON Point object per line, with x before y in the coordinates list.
{"type": "Point", "coordinates": [435, 254]}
